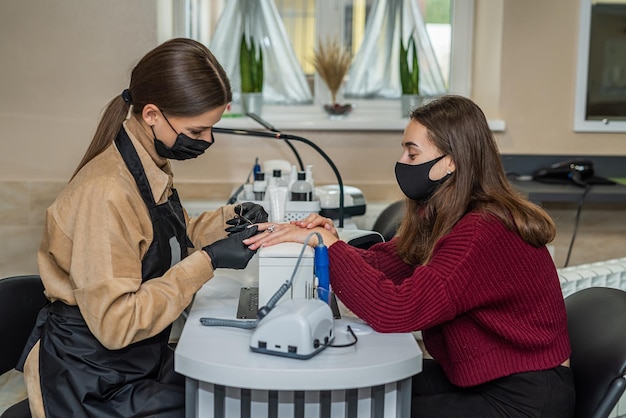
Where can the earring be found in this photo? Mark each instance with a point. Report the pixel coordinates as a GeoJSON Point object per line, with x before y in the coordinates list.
{"type": "Point", "coordinates": [449, 172]}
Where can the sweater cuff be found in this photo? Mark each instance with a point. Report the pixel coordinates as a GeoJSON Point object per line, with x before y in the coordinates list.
{"type": "Point", "coordinates": [198, 268]}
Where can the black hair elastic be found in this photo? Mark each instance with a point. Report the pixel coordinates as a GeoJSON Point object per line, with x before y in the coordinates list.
{"type": "Point", "coordinates": [126, 96]}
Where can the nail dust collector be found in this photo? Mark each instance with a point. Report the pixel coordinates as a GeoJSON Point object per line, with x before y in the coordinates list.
{"type": "Point", "coordinates": [354, 200]}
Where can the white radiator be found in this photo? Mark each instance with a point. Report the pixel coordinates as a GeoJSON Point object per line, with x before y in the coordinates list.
{"type": "Point", "coordinates": [609, 273]}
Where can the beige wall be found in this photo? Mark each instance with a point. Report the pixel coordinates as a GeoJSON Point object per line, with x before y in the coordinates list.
{"type": "Point", "coordinates": [62, 61]}
{"type": "Point", "coordinates": [539, 46]}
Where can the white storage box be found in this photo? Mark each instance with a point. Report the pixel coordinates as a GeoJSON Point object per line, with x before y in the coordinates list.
{"type": "Point", "coordinates": [276, 265]}
{"type": "Point", "coordinates": [294, 211]}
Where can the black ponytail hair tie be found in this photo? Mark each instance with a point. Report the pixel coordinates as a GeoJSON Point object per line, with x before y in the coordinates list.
{"type": "Point", "coordinates": [126, 96]}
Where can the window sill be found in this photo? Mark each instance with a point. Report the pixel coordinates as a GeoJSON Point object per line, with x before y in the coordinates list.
{"type": "Point", "coordinates": [367, 115]}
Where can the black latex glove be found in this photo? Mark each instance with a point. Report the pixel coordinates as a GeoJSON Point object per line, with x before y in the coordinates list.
{"type": "Point", "coordinates": [246, 213]}
{"type": "Point", "coordinates": [230, 252]}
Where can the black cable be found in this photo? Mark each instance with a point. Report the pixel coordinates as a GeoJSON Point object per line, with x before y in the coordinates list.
{"type": "Point", "coordinates": [233, 198]}
{"type": "Point", "coordinates": [262, 122]}
{"type": "Point", "coordinates": [271, 128]}
{"type": "Point", "coordinates": [580, 206]}
{"type": "Point", "coordinates": [347, 344]}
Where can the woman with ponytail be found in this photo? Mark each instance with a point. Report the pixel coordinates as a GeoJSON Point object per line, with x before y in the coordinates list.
{"type": "Point", "coordinates": [120, 259]}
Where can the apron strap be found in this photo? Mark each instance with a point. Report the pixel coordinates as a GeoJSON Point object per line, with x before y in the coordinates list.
{"type": "Point", "coordinates": [131, 158]}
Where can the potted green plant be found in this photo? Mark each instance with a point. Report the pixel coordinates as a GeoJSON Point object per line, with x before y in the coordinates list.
{"type": "Point", "coordinates": [409, 76]}
{"type": "Point", "coordinates": [251, 71]}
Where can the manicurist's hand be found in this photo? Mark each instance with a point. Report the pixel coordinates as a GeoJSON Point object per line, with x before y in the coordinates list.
{"type": "Point", "coordinates": [246, 213]}
{"type": "Point", "coordinates": [231, 252]}
{"type": "Point", "coordinates": [275, 233]}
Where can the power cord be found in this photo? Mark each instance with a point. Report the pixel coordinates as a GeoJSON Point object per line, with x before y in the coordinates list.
{"type": "Point", "coordinates": [233, 198]}
{"type": "Point", "coordinates": [347, 344]}
{"type": "Point", "coordinates": [576, 222]}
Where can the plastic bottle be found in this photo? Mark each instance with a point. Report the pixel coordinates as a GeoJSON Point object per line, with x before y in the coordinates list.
{"type": "Point", "coordinates": [293, 176]}
{"type": "Point", "coordinates": [301, 190]}
{"type": "Point", "coordinates": [309, 179]}
{"type": "Point", "coordinates": [278, 193]}
{"type": "Point", "coordinates": [259, 186]}
{"type": "Point", "coordinates": [278, 180]}
{"type": "Point", "coordinates": [248, 193]}
{"type": "Point", "coordinates": [257, 167]}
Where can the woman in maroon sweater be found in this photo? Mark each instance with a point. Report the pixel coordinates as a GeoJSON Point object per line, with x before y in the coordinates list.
{"type": "Point", "coordinates": [469, 267]}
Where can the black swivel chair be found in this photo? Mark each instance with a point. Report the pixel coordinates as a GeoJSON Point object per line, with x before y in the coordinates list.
{"type": "Point", "coordinates": [596, 319]}
{"type": "Point", "coordinates": [389, 219]}
{"type": "Point", "coordinates": [21, 298]}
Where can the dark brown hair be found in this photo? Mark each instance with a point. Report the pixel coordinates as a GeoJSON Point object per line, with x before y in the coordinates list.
{"type": "Point", "coordinates": [180, 76]}
{"type": "Point", "coordinates": [458, 128]}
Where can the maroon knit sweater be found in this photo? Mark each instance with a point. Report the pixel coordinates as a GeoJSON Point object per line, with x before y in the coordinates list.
{"type": "Point", "coordinates": [488, 304]}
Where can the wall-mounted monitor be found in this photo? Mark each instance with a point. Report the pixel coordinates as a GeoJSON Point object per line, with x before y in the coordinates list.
{"type": "Point", "coordinates": [601, 72]}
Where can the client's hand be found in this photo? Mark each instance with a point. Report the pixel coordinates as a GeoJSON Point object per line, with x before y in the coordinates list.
{"type": "Point", "coordinates": [275, 233]}
{"type": "Point", "coordinates": [315, 220]}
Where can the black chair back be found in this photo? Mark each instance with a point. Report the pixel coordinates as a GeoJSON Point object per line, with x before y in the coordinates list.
{"type": "Point", "coordinates": [21, 298]}
{"type": "Point", "coordinates": [596, 319]}
{"type": "Point", "coordinates": [389, 219]}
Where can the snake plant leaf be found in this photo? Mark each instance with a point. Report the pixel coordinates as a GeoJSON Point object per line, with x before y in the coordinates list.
{"type": "Point", "coordinates": [251, 66]}
{"type": "Point", "coordinates": [415, 69]}
{"type": "Point", "coordinates": [260, 74]}
{"type": "Point", "coordinates": [244, 66]}
{"type": "Point", "coordinates": [404, 70]}
{"type": "Point", "coordinates": [409, 74]}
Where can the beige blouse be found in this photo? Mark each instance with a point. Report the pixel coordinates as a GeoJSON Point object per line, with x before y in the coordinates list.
{"type": "Point", "coordinates": [96, 234]}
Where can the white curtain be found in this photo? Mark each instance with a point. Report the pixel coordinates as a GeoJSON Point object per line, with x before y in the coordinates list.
{"type": "Point", "coordinates": [375, 70]}
{"type": "Point", "coordinates": [284, 80]}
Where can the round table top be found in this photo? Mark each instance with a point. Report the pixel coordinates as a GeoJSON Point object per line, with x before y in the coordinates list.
{"type": "Point", "coordinates": [222, 355]}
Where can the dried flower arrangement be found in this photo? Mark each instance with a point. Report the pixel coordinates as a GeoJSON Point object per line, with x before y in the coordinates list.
{"type": "Point", "coordinates": [332, 62]}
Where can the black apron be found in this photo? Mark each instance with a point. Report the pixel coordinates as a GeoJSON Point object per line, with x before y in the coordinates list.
{"type": "Point", "coordinates": [79, 376]}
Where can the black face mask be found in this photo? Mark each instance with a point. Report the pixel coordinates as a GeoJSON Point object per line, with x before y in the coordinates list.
{"type": "Point", "coordinates": [414, 181]}
{"type": "Point", "coordinates": [184, 147]}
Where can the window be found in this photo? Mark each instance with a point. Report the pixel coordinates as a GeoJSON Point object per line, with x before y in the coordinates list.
{"type": "Point", "coordinates": [448, 23]}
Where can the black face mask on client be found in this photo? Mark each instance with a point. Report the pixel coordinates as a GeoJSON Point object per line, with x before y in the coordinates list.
{"type": "Point", "coordinates": [414, 180]}
{"type": "Point", "coordinates": [184, 147]}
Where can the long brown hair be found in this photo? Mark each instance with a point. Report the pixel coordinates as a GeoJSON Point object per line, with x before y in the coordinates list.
{"type": "Point", "coordinates": [459, 129]}
{"type": "Point", "coordinates": [180, 76]}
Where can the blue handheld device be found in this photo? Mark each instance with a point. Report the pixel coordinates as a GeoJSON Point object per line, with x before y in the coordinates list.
{"type": "Point", "coordinates": [321, 271]}
{"type": "Point", "coordinates": [257, 167]}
